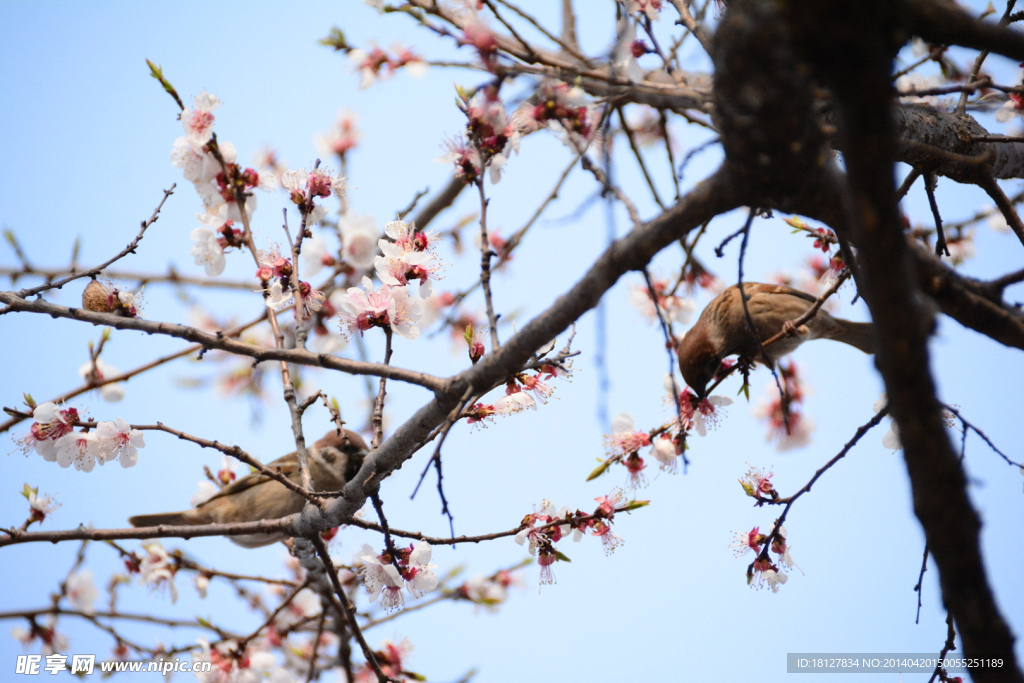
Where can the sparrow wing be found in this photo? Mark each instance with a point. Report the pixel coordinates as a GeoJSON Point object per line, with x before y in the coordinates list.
{"type": "Point", "coordinates": [761, 288]}
{"type": "Point", "coordinates": [288, 465]}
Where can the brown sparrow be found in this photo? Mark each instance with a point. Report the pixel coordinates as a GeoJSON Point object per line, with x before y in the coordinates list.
{"type": "Point", "coordinates": [722, 330]}
{"type": "Point", "coordinates": [333, 460]}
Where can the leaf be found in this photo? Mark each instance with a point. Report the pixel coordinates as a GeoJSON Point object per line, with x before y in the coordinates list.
{"type": "Point", "coordinates": [601, 469]}
{"type": "Point", "coordinates": [561, 557]}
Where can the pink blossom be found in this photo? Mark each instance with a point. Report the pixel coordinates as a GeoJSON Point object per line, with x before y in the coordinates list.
{"type": "Point", "coordinates": [198, 120]}
{"type": "Point", "coordinates": [606, 505]}
{"type": "Point", "coordinates": [514, 403]}
{"type": "Point", "coordinates": [466, 158]}
{"type": "Point", "coordinates": [479, 36]}
{"type": "Point", "coordinates": [624, 439]}
{"type": "Point", "coordinates": [609, 540]}
{"type": "Point", "coordinates": [700, 414]}
{"type": "Point", "coordinates": [359, 240]}
{"type": "Point", "coordinates": [757, 484]}
{"type": "Point", "coordinates": [157, 569]}
{"type": "Point", "coordinates": [342, 137]}
{"type": "Point", "coordinates": [51, 423]}
{"type": "Point", "coordinates": [664, 451]}
{"type": "Point", "coordinates": [651, 8]}
{"type": "Point", "coordinates": [80, 448]}
{"type": "Point", "coordinates": [119, 440]}
{"type": "Point", "coordinates": [207, 251]}
{"type": "Point", "coordinates": [744, 542]}
{"type": "Point", "coordinates": [387, 307]}
{"type": "Point", "coordinates": [545, 558]}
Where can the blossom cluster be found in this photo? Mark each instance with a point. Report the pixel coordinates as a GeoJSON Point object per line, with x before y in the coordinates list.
{"type": "Point", "coordinates": [522, 390]}
{"type": "Point", "coordinates": [224, 187]}
{"type": "Point", "coordinates": [275, 273]}
{"type": "Point", "coordinates": [389, 308]}
{"type": "Point", "coordinates": [386, 574]}
{"type": "Point", "coordinates": [391, 659]}
{"type": "Point", "coordinates": [53, 436]}
{"type": "Point", "coordinates": [545, 526]}
{"type": "Point", "coordinates": [408, 255]}
{"type": "Point", "coordinates": [488, 140]}
{"type": "Point", "coordinates": [377, 63]}
{"type": "Point", "coordinates": [757, 484]}
{"type": "Point", "coordinates": [763, 571]}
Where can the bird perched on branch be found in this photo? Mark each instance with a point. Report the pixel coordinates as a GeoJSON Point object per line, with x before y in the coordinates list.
{"type": "Point", "coordinates": [333, 460]}
{"type": "Point", "coordinates": [722, 330]}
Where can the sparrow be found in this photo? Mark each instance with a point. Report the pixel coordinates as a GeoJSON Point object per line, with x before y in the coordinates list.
{"type": "Point", "coordinates": [722, 330]}
{"type": "Point", "coordinates": [333, 460]}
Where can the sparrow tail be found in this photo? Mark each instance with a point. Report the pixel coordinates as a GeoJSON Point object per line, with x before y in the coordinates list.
{"type": "Point", "coordinates": [858, 335]}
{"type": "Point", "coordinates": [169, 518]}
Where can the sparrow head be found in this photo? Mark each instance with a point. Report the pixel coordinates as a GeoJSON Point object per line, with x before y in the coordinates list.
{"type": "Point", "coordinates": [342, 451]}
{"type": "Point", "coordinates": [698, 358]}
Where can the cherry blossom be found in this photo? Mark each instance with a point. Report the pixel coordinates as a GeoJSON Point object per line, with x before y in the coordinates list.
{"type": "Point", "coordinates": [391, 660]}
{"type": "Point", "coordinates": [197, 165]}
{"type": "Point", "coordinates": [624, 59]}
{"type": "Point", "coordinates": [1011, 108]}
{"type": "Point", "coordinates": [305, 186]}
{"type": "Point", "coordinates": [480, 413]}
{"type": "Point", "coordinates": [119, 440]}
{"type": "Point", "coordinates": [51, 423]}
{"type": "Point", "coordinates": [475, 337]}
{"type": "Point", "coordinates": [38, 506]}
{"type": "Point", "coordinates": [207, 251]}
{"type": "Point", "coordinates": [52, 641]}
{"type": "Point", "coordinates": [609, 540]}
{"type": "Point", "coordinates": [316, 255]}
{"type": "Point", "coordinates": [251, 665]}
{"type": "Point", "coordinates": [624, 439]}
{"type": "Point", "coordinates": [651, 8]}
{"type": "Point", "coordinates": [157, 569]}
{"type": "Point", "coordinates": [359, 240]}
{"type": "Point", "coordinates": [514, 403]}
{"type": "Point", "coordinates": [197, 120]}
{"type": "Point", "coordinates": [368, 64]}
{"type": "Point", "coordinates": [745, 541]}
{"type": "Point", "coordinates": [342, 137]}
{"type": "Point", "coordinates": [382, 579]}
{"type": "Point", "coordinates": [278, 298]}
{"type": "Point", "coordinates": [468, 164]}
{"type": "Point", "coordinates": [130, 303]}
{"type": "Point", "coordinates": [80, 448]}
{"type": "Point", "coordinates": [385, 307]}
{"type": "Point", "coordinates": [757, 484]}
{"type": "Point", "coordinates": [700, 414]}
{"type": "Point", "coordinates": [398, 268]}
{"type": "Point", "coordinates": [664, 451]}
{"type": "Point", "coordinates": [81, 591]}
{"type": "Point", "coordinates": [479, 36]}
{"type": "Point", "coordinates": [546, 556]}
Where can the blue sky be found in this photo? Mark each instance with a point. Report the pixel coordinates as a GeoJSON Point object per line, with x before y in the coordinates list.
{"type": "Point", "coordinates": [86, 155]}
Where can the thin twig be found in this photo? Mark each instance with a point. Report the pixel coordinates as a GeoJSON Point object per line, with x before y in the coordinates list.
{"type": "Point", "coordinates": [130, 249]}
